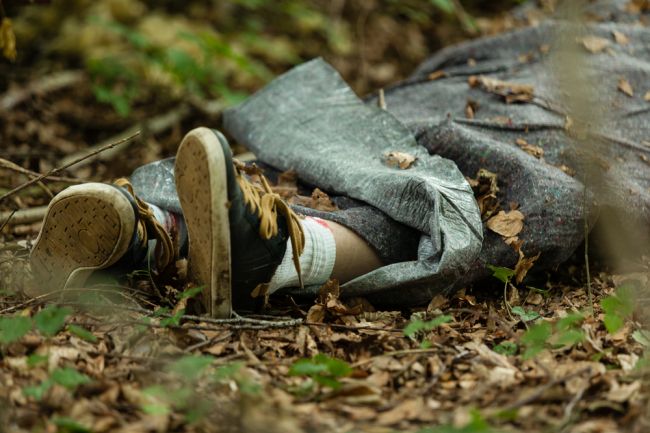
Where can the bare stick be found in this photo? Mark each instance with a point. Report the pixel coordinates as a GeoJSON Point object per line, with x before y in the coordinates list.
{"type": "Point", "coordinates": [154, 125]}
{"type": "Point", "coordinates": [24, 216]}
{"type": "Point", "coordinates": [68, 165]}
{"type": "Point", "coordinates": [7, 221]}
{"type": "Point", "coordinates": [22, 170]}
{"type": "Point", "coordinates": [50, 83]}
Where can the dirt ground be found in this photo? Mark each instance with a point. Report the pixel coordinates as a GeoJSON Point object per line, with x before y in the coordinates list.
{"type": "Point", "coordinates": [126, 354]}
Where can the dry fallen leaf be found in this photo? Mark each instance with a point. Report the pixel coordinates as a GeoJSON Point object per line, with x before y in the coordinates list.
{"type": "Point", "coordinates": [647, 96]}
{"type": "Point", "coordinates": [620, 38]}
{"type": "Point", "coordinates": [595, 44]}
{"type": "Point", "coordinates": [400, 159]}
{"type": "Point", "coordinates": [625, 87]}
{"type": "Point", "coordinates": [523, 266]}
{"type": "Point", "coordinates": [530, 149]}
{"type": "Point", "coordinates": [622, 393]}
{"type": "Point", "coordinates": [511, 92]}
{"type": "Point", "coordinates": [437, 75]}
{"type": "Point", "coordinates": [406, 410]}
{"type": "Point", "coordinates": [507, 224]}
{"type": "Point", "coordinates": [471, 108]}
{"type": "Point", "coordinates": [485, 190]}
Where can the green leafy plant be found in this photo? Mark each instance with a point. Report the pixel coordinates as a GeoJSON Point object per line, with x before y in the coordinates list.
{"type": "Point", "coordinates": [526, 316]}
{"type": "Point", "coordinates": [419, 327]}
{"type": "Point", "coordinates": [51, 319]}
{"type": "Point", "coordinates": [617, 308]}
{"type": "Point", "coordinates": [322, 369]}
{"type": "Point", "coordinates": [564, 332]}
{"type": "Point", "coordinates": [82, 333]}
{"type": "Point", "coordinates": [507, 348]}
{"type": "Point", "coordinates": [13, 328]}
{"type": "Point", "coordinates": [67, 377]}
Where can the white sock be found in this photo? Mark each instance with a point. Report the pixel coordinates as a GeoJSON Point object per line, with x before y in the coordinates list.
{"type": "Point", "coordinates": [316, 260]}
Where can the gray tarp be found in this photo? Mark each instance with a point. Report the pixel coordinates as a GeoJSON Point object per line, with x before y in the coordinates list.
{"type": "Point", "coordinates": [309, 120]}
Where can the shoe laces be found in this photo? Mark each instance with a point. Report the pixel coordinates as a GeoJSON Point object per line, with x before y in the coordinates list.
{"type": "Point", "coordinates": [267, 205]}
{"type": "Point", "coordinates": [148, 226]}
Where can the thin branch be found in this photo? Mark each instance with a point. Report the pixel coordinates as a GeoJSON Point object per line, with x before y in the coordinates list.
{"type": "Point", "coordinates": [68, 165]}
{"type": "Point", "coordinates": [22, 170]}
{"type": "Point", "coordinates": [47, 84]}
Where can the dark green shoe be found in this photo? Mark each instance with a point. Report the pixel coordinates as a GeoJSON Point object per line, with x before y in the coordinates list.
{"type": "Point", "coordinates": [237, 231]}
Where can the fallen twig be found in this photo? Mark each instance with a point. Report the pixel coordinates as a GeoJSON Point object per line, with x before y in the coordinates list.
{"type": "Point", "coordinates": [22, 170]}
{"type": "Point", "coordinates": [6, 220]}
{"type": "Point", "coordinates": [154, 125]}
{"type": "Point", "coordinates": [24, 216]}
{"type": "Point", "coordinates": [68, 164]}
{"type": "Point", "coordinates": [49, 83]}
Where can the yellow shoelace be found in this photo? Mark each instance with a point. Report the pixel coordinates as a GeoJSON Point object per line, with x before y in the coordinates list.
{"type": "Point", "coordinates": [148, 224]}
{"type": "Point", "coordinates": [268, 205]}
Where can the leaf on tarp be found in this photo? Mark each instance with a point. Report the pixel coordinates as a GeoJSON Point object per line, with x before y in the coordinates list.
{"type": "Point", "coordinates": [625, 87]}
{"type": "Point", "coordinates": [400, 159]}
{"type": "Point", "coordinates": [507, 224]}
{"type": "Point", "coordinates": [646, 97]}
{"type": "Point", "coordinates": [471, 108]}
{"type": "Point", "coordinates": [436, 75]}
{"type": "Point", "coordinates": [485, 190]}
{"type": "Point", "coordinates": [595, 44]}
{"type": "Point", "coordinates": [530, 149]}
{"type": "Point", "coordinates": [511, 92]}
{"type": "Point", "coordinates": [524, 264]}
{"type": "Point", "coordinates": [620, 37]}
{"type": "Point", "coordinates": [319, 200]}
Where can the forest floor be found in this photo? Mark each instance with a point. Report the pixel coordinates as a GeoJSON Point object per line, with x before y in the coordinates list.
{"type": "Point", "coordinates": [562, 356]}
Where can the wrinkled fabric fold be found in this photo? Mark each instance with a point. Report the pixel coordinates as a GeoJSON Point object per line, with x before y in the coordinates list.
{"type": "Point", "coordinates": [309, 120]}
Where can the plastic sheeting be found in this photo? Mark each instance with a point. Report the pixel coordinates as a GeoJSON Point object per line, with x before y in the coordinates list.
{"type": "Point", "coordinates": [550, 199]}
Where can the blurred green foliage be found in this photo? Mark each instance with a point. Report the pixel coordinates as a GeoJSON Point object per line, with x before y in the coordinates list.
{"type": "Point", "coordinates": [144, 51]}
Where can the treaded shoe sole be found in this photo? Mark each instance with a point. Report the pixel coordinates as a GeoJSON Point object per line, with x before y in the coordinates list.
{"type": "Point", "coordinates": [201, 184]}
{"type": "Point", "coordinates": [86, 228]}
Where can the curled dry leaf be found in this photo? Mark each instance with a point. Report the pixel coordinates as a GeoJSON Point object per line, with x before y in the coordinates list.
{"type": "Point", "coordinates": [524, 264]}
{"type": "Point", "coordinates": [507, 224]}
{"type": "Point", "coordinates": [530, 149]}
{"type": "Point", "coordinates": [594, 44]}
{"type": "Point", "coordinates": [400, 159]}
{"type": "Point", "coordinates": [511, 92]}
{"type": "Point", "coordinates": [485, 190]}
{"type": "Point", "coordinates": [436, 75]}
{"type": "Point", "coordinates": [620, 38]}
{"type": "Point", "coordinates": [625, 87]}
{"type": "Point", "coordinates": [471, 108]}
{"type": "Point", "coordinates": [319, 200]}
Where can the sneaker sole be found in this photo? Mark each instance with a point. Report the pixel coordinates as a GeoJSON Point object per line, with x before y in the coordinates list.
{"type": "Point", "coordinates": [200, 172]}
{"type": "Point", "coordinates": [86, 228]}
